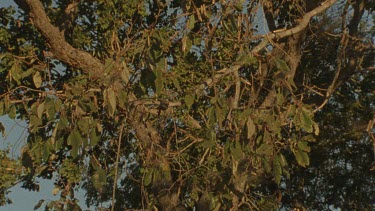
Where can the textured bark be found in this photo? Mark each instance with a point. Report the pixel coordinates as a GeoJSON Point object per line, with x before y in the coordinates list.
{"type": "Point", "coordinates": [295, 30]}
{"type": "Point", "coordinates": [60, 49]}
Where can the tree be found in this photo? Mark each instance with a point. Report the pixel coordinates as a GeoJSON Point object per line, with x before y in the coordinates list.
{"type": "Point", "coordinates": [182, 104]}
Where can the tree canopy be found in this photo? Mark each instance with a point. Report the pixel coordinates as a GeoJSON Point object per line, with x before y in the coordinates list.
{"type": "Point", "coordinates": [192, 104]}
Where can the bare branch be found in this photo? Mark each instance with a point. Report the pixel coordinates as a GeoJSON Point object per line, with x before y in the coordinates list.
{"type": "Point", "coordinates": [302, 25]}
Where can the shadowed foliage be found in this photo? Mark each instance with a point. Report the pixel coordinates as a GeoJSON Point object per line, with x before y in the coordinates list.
{"type": "Point", "coordinates": [192, 105]}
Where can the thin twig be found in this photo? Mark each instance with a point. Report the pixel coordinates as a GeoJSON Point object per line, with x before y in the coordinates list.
{"type": "Point", "coordinates": [116, 168]}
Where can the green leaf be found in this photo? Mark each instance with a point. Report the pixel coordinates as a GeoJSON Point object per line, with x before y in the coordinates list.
{"type": "Point", "coordinates": [187, 42]}
{"type": "Point", "coordinates": [110, 97]}
{"type": "Point", "coordinates": [39, 110]}
{"type": "Point", "coordinates": [37, 78]}
{"type": "Point", "coordinates": [282, 65]}
{"type": "Point", "coordinates": [211, 116]}
{"type": "Point", "coordinates": [74, 140]}
{"type": "Point", "coordinates": [122, 99]}
{"type": "Point", "coordinates": [265, 149]}
{"type": "Point", "coordinates": [280, 99]}
{"type": "Point", "coordinates": [238, 7]}
{"type": "Point", "coordinates": [277, 169]}
{"type": "Point", "coordinates": [125, 73]}
{"type": "Point", "coordinates": [108, 65]}
{"type": "Point", "coordinates": [176, 84]}
{"type": "Point", "coordinates": [58, 104]}
{"type": "Point", "coordinates": [302, 158]}
{"type": "Point", "coordinates": [63, 122]}
{"type": "Point", "coordinates": [191, 22]}
{"type": "Point", "coordinates": [251, 130]}
{"type": "Point", "coordinates": [47, 149]}
{"type": "Point", "coordinates": [192, 122]}
{"type": "Point", "coordinates": [27, 72]}
{"type": "Point", "coordinates": [266, 165]}
{"type": "Point", "coordinates": [282, 160]}
{"type": "Point", "coordinates": [94, 137]}
{"type": "Point", "coordinates": [35, 122]}
{"type": "Point", "coordinates": [246, 59]}
{"type": "Point", "coordinates": [210, 140]}
{"type": "Point", "coordinates": [306, 121]}
{"type": "Point", "coordinates": [148, 177]}
{"type": "Point", "coordinates": [189, 100]}
{"type": "Point", "coordinates": [236, 151]}
{"type": "Point", "coordinates": [303, 145]}
{"type": "Point", "coordinates": [308, 138]}
{"type": "Point", "coordinates": [15, 71]}
{"type": "Point", "coordinates": [84, 125]}
{"type": "Point", "coordinates": [99, 179]}
{"type": "Point", "coordinates": [49, 105]}
{"type": "Point", "coordinates": [159, 84]}
{"type": "Point", "coordinates": [12, 112]}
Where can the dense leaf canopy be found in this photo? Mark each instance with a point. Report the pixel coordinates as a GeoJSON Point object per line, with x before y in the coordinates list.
{"type": "Point", "coordinates": [192, 104]}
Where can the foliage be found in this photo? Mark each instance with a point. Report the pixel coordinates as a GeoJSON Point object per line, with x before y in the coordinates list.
{"type": "Point", "coordinates": [181, 104]}
{"type": "Point", "coordinates": [10, 170]}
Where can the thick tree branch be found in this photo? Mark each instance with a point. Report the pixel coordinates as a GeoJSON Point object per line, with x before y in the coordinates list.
{"type": "Point", "coordinates": [268, 14]}
{"type": "Point", "coordinates": [295, 30]}
{"type": "Point", "coordinates": [61, 50]}
{"type": "Point", "coordinates": [359, 9]}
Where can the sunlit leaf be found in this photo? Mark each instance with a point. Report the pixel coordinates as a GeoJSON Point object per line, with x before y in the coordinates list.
{"type": "Point", "coordinates": [191, 22]}
{"type": "Point", "coordinates": [37, 78]}
{"type": "Point", "coordinates": [40, 110]}
{"type": "Point", "coordinates": [316, 128]}
{"type": "Point", "coordinates": [189, 100]}
{"type": "Point", "coordinates": [55, 191]}
{"type": "Point", "coordinates": [282, 160]}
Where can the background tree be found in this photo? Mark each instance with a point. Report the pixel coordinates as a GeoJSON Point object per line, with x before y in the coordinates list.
{"type": "Point", "coordinates": [191, 104]}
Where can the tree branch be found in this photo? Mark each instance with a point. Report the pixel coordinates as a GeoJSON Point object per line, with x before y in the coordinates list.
{"type": "Point", "coordinates": [302, 25]}
{"type": "Point", "coordinates": [61, 50]}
